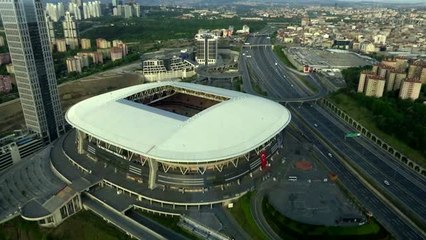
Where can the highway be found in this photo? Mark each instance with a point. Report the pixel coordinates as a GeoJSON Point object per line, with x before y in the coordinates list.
{"type": "Point", "coordinates": [386, 216]}
{"type": "Point", "coordinates": [406, 187]}
{"type": "Point", "coordinates": [286, 84]}
{"type": "Point", "coordinates": [263, 66]}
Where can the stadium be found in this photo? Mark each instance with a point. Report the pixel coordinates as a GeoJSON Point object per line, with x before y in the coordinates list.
{"type": "Point", "coordinates": [209, 144]}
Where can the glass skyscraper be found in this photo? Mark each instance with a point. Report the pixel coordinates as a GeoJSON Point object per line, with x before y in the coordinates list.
{"type": "Point", "coordinates": [27, 37]}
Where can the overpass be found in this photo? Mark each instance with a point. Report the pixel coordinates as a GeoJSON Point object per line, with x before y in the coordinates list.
{"type": "Point", "coordinates": [313, 98]}
{"type": "Point", "coordinates": [259, 35]}
{"type": "Point", "coordinates": [257, 45]}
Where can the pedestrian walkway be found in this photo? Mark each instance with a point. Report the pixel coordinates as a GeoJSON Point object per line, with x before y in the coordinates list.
{"type": "Point", "coordinates": [118, 219]}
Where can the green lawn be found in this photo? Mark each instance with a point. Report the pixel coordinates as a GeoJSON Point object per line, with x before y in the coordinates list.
{"type": "Point", "coordinates": [18, 228]}
{"type": "Point", "coordinates": [308, 84]}
{"type": "Point", "coordinates": [258, 89]}
{"type": "Point", "coordinates": [242, 213]}
{"type": "Point", "coordinates": [364, 116]}
{"type": "Point", "coordinates": [290, 229]}
{"type": "Point", "coordinates": [83, 225]}
{"type": "Point", "coordinates": [279, 52]}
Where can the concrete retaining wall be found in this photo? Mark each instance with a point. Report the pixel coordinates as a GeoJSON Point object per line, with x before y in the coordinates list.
{"type": "Point", "coordinates": [364, 131]}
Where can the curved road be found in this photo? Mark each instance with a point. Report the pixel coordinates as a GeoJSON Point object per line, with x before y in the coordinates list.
{"type": "Point", "coordinates": [406, 186]}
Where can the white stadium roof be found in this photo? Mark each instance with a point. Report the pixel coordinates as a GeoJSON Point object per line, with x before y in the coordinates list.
{"type": "Point", "coordinates": [228, 129]}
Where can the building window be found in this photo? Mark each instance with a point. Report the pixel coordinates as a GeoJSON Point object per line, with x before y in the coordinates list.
{"type": "Point", "coordinates": [64, 212]}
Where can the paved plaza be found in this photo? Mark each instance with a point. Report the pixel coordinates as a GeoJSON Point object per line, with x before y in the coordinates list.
{"type": "Point", "coordinates": [313, 198]}
{"type": "Point", "coordinates": [28, 179]}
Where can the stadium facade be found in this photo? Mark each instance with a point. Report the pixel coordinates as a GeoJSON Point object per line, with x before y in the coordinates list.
{"type": "Point", "coordinates": [179, 135]}
{"type": "Point", "coordinates": [168, 145]}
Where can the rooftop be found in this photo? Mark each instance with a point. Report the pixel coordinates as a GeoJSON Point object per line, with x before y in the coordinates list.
{"type": "Point", "coordinates": [38, 208]}
{"type": "Point", "coordinates": [230, 124]}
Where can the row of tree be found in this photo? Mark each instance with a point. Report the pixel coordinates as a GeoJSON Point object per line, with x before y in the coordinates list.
{"type": "Point", "coordinates": [403, 119]}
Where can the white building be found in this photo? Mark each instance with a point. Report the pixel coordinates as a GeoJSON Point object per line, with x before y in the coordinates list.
{"type": "Point", "coordinates": [367, 47]}
{"type": "Point", "coordinates": [74, 9]}
{"type": "Point", "coordinates": [1, 41]}
{"type": "Point", "coordinates": [91, 9]}
{"type": "Point", "coordinates": [61, 45]}
{"type": "Point", "coordinates": [206, 44]}
{"type": "Point", "coordinates": [74, 64]}
{"type": "Point", "coordinates": [167, 69]}
{"type": "Point", "coordinates": [379, 39]}
{"type": "Point", "coordinates": [52, 11]}
{"type": "Point", "coordinates": [70, 31]}
{"type": "Point", "coordinates": [122, 45]}
{"type": "Point", "coordinates": [245, 30]}
{"type": "Point", "coordinates": [136, 10]}
{"type": "Point", "coordinates": [127, 10]}
{"type": "Point", "coordinates": [50, 30]}
{"type": "Point", "coordinates": [55, 11]}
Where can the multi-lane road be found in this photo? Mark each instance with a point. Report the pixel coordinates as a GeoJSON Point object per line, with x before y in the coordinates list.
{"type": "Point", "coordinates": [263, 65]}
{"type": "Point", "coordinates": [406, 188]}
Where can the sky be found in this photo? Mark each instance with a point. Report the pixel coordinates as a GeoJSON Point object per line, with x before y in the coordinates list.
{"type": "Point", "coordinates": [182, 1]}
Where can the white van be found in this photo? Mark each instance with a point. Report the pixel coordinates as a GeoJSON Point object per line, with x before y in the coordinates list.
{"type": "Point", "coordinates": [292, 178]}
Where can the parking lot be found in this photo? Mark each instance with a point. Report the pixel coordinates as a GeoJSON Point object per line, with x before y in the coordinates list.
{"type": "Point", "coordinates": [321, 59]}
{"type": "Point", "coordinates": [309, 196]}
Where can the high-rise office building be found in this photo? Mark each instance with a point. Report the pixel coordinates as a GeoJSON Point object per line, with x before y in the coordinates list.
{"type": "Point", "coordinates": [26, 33]}
{"type": "Point", "coordinates": [206, 48]}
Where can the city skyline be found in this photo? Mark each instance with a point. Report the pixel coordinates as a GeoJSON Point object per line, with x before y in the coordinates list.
{"type": "Point", "coordinates": [307, 114]}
